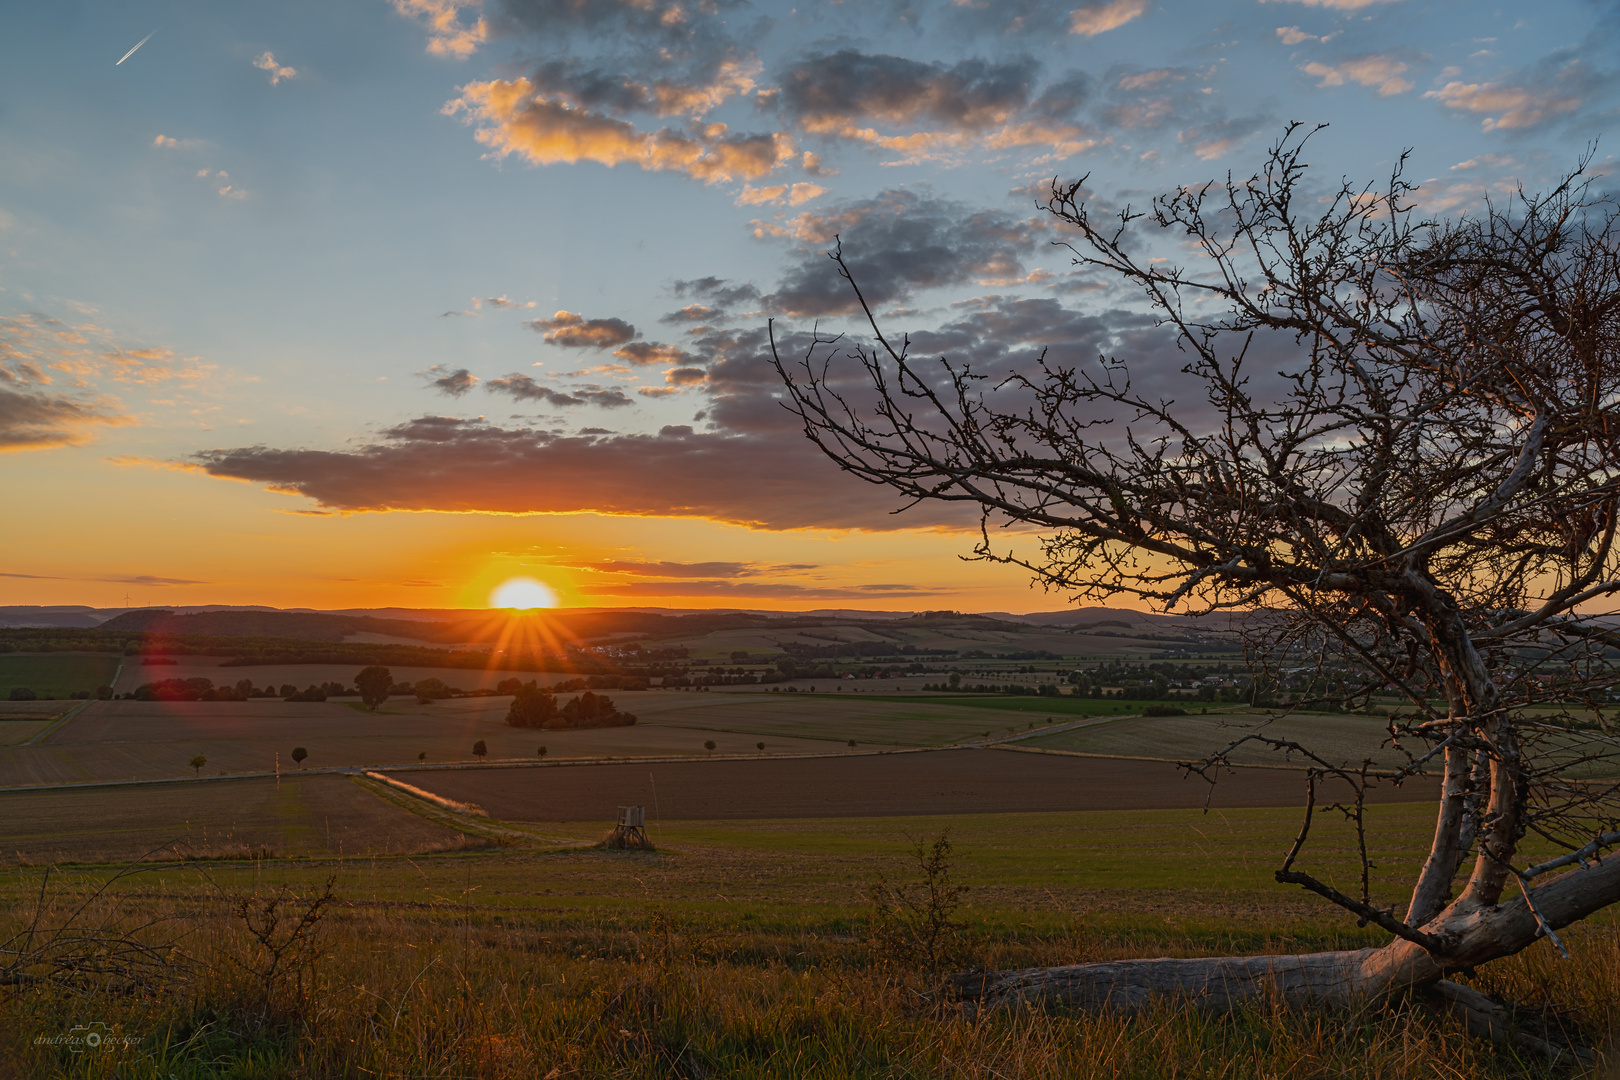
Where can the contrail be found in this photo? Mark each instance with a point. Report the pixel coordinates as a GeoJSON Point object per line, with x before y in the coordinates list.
{"type": "Point", "coordinates": [138, 44]}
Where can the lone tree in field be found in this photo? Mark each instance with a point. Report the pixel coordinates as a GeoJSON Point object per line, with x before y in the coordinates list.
{"type": "Point", "coordinates": [1392, 455]}
{"type": "Point", "coordinates": [479, 749]}
{"type": "Point", "coordinates": [197, 764]}
{"type": "Point", "coordinates": [374, 683]}
{"type": "Point", "coordinates": [298, 756]}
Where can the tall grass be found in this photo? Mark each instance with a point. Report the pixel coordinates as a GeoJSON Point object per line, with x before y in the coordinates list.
{"type": "Point", "coordinates": [442, 989]}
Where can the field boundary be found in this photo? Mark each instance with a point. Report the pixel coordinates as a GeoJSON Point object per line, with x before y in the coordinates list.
{"type": "Point", "coordinates": [486, 827]}
{"type": "Point", "coordinates": [1135, 757]}
{"type": "Point", "coordinates": [56, 725]}
{"type": "Point", "coordinates": [507, 763]}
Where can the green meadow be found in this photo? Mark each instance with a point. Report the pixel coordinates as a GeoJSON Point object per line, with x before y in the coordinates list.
{"type": "Point", "coordinates": [58, 674]}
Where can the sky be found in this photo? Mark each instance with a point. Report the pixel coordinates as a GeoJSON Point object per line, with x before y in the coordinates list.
{"type": "Point", "coordinates": [387, 302]}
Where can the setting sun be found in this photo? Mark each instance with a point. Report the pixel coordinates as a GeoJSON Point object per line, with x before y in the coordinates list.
{"type": "Point", "coordinates": [523, 593]}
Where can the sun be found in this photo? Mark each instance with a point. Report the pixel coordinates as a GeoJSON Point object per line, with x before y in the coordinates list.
{"type": "Point", "coordinates": [523, 593]}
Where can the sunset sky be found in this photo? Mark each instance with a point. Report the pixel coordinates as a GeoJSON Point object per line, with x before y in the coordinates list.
{"type": "Point", "coordinates": [384, 302]}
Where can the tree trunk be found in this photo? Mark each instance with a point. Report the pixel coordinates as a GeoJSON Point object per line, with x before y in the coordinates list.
{"type": "Point", "coordinates": [1470, 936]}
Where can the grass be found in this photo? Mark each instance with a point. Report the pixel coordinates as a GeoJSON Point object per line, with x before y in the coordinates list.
{"type": "Point", "coordinates": [1067, 707]}
{"type": "Point", "coordinates": [1336, 737]}
{"type": "Point", "coordinates": [739, 949]}
{"type": "Point", "coordinates": [56, 675]}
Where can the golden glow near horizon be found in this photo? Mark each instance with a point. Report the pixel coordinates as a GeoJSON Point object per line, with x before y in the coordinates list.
{"type": "Point", "coordinates": [522, 593]}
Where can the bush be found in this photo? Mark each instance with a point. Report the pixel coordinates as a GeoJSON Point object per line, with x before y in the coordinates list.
{"type": "Point", "coordinates": [430, 689]}
{"type": "Point", "coordinates": [1163, 710]}
{"type": "Point", "coordinates": [22, 693]}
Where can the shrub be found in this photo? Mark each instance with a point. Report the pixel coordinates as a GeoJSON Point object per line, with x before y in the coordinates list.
{"type": "Point", "coordinates": [1164, 710]}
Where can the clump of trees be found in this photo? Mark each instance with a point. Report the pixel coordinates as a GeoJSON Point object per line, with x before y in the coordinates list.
{"type": "Point", "coordinates": [536, 707]}
{"type": "Point", "coordinates": [430, 690]}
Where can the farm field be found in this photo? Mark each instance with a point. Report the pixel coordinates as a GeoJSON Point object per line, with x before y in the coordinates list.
{"type": "Point", "coordinates": [299, 816]}
{"type": "Point", "coordinates": [138, 740]}
{"type": "Point", "coordinates": [962, 781]}
{"type": "Point", "coordinates": [57, 674]}
{"type": "Point", "coordinates": [1337, 738]}
{"type": "Point", "coordinates": [13, 731]}
{"type": "Point", "coordinates": [302, 675]}
{"type": "Point", "coordinates": [963, 635]}
{"type": "Point", "coordinates": [129, 740]}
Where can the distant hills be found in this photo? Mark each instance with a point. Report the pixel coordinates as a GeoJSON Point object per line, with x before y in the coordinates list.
{"type": "Point", "coordinates": [462, 627]}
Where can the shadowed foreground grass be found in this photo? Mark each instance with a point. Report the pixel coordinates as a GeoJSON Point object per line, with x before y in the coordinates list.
{"type": "Point", "coordinates": [742, 952]}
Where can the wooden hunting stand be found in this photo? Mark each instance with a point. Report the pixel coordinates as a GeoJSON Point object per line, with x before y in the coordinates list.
{"type": "Point", "coordinates": [631, 831]}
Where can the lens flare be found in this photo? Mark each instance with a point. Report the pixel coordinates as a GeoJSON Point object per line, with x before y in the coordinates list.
{"type": "Point", "coordinates": [522, 593]}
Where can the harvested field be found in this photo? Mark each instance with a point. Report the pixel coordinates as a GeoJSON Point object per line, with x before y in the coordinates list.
{"type": "Point", "coordinates": [932, 782]}
{"type": "Point", "coordinates": [143, 740]}
{"type": "Point", "coordinates": [13, 732]}
{"type": "Point", "coordinates": [34, 710]}
{"type": "Point", "coordinates": [312, 815]}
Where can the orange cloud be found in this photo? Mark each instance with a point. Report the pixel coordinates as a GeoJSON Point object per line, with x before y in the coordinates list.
{"type": "Point", "coordinates": [1381, 71]}
{"type": "Point", "coordinates": [572, 331]}
{"type": "Point", "coordinates": [278, 71]}
{"type": "Point", "coordinates": [652, 352]}
{"type": "Point", "coordinates": [1334, 5]}
{"type": "Point", "coordinates": [447, 34]}
{"type": "Point", "coordinates": [513, 119]}
{"type": "Point", "coordinates": [1094, 19]}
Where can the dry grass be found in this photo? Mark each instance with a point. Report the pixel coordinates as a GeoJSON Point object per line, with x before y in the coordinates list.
{"type": "Point", "coordinates": [469, 966]}
{"type": "Point", "coordinates": [456, 994]}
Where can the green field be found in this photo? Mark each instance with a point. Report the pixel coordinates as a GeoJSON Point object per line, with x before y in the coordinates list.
{"type": "Point", "coordinates": [56, 675]}
{"type": "Point", "coordinates": [1337, 738]}
{"type": "Point", "coordinates": [1046, 706]}
{"type": "Point", "coordinates": [745, 949]}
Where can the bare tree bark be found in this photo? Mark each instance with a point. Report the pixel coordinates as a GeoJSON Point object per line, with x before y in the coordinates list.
{"type": "Point", "coordinates": [1423, 499]}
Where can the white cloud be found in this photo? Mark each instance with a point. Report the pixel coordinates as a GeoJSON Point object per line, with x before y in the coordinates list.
{"type": "Point", "coordinates": [1515, 106]}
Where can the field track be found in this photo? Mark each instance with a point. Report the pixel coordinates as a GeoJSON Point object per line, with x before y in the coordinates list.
{"type": "Point", "coordinates": [883, 785]}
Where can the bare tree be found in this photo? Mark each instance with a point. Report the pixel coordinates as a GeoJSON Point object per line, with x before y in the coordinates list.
{"type": "Point", "coordinates": [1399, 468]}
